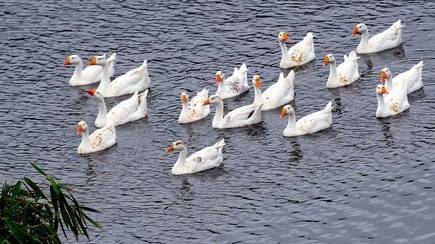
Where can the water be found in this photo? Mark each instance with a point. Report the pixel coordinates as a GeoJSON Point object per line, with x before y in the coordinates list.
{"type": "Point", "coordinates": [362, 181]}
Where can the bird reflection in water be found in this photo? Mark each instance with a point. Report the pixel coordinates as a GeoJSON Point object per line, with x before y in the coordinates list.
{"type": "Point", "coordinates": [296, 153]}
{"type": "Point", "coordinates": [306, 67]}
{"type": "Point", "coordinates": [182, 193]}
{"type": "Point", "coordinates": [378, 59]}
{"type": "Point", "coordinates": [388, 137]}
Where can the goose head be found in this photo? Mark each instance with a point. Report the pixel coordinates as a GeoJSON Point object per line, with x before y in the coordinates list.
{"type": "Point", "coordinates": [81, 127]}
{"type": "Point", "coordinates": [72, 60]}
{"type": "Point", "coordinates": [286, 110]}
{"type": "Point", "coordinates": [328, 59]}
{"type": "Point", "coordinates": [384, 75]}
{"type": "Point", "coordinates": [212, 99]}
{"type": "Point", "coordinates": [219, 77]}
{"type": "Point", "coordinates": [256, 81]}
{"type": "Point", "coordinates": [283, 36]}
{"type": "Point", "coordinates": [184, 97]}
{"type": "Point", "coordinates": [359, 29]}
{"type": "Point", "coordinates": [175, 146]}
{"type": "Point", "coordinates": [98, 60]}
{"type": "Point", "coordinates": [93, 92]}
{"type": "Point", "coordinates": [381, 89]}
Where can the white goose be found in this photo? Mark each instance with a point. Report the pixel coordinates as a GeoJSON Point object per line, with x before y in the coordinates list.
{"type": "Point", "coordinates": [243, 116]}
{"type": "Point", "coordinates": [99, 140]}
{"type": "Point", "coordinates": [234, 85]}
{"type": "Point", "coordinates": [389, 38]}
{"type": "Point", "coordinates": [343, 75]}
{"type": "Point", "coordinates": [299, 54]}
{"type": "Point", "coordinates": [411, 79]}
{"type": "Point", "coordinates": [193, 110]}
{"type": "Point", "coordinates": [391, 103]}
{"type": "Point", "coordinates": [90, 74]}
{"type": "Point", "coordinates": [308, 124]}
{"type": "Point", "coordinates": [134, 80]}
{"type": "Point", "coordinates": [207, 158]}
{"type": "Point", "coordinates": [131, 109]}
{"type": "Point", "coordinates": [278, 94]}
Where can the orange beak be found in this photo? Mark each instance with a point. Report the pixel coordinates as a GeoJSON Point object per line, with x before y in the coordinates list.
{"type": "Point", "coordinates": [283, 113]}
{"type": "Point", "coordinates": [355, 31]}
{"type": "Point", "coordinates": [258, 83]}
{"type": "Point", "coordinates": [284, 37]}
{"type": "Point", "coordinates": [383, 76]}
{"type": "Point", "coordinates": [206, 102]}
{"type": "Point", "coordinates": [79, 129]}
{"type": "Point", "coordinates": [170, 148]}
{"type": "Point", "coordinates": [218, 79]}
{"type": "Point", "coordinates": [184, 98]}
{"type": "Point", "coordinates": [67, 62]}
{"type": "Point", "coordinates": [325, 60]}
{"type": "Point", "coordinates": [91, 91]}
{"type": "Point", "coordinates": [93, 60]}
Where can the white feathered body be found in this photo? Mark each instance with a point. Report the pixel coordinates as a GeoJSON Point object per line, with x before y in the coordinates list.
{"type": "Point", "coordinates": [195, 110]}
{"type": "Point", "coordinates": [299, 54]}
{"type": "Point", "coordinates": [280, 93]}
{"type": "Point", "coordinates": [310, 123]}
{"type": "Point", "coordinates": [207, 158]}
{"type": "Point", "coordinates": [389, 38]}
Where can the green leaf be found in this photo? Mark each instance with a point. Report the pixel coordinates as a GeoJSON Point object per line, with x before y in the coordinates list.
{"type": "Point", "coordinates": [89, 209]}
{"type": "Point", "coordinates": [28, 215]}
{"type": "Point", "coordinates": [38, 169]}
{"type": "Point", "coordinates": [93, 222]}
{"type": "Point", "coordinates": [35, 188]}
{"type": "Point", "coordinates": [16, 231]}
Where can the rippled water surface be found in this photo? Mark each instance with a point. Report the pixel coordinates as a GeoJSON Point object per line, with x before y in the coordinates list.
{"type": "Point", "coordinates": [362, 181]}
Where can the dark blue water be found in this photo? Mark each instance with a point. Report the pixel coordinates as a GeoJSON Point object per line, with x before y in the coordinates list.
{"type": "Point", "coordinates": [362, 181]}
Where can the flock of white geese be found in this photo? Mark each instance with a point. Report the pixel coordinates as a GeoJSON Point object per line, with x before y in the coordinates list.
{"type": "Point", "coordinates": [391, 95]}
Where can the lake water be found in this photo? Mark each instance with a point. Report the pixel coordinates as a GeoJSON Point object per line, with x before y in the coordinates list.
{"type": "Point", "coordinates": [362, 181]}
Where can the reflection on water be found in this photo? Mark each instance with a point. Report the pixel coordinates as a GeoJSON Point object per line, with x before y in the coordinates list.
{"type": "Point", "coordinates": [296, 153]}
{"type": "Point", "coordinates": [382, 58]}
{"type": "Point", "coordinates": [362, 181]}
{"type": "Point", "coordinates": [388, 138]}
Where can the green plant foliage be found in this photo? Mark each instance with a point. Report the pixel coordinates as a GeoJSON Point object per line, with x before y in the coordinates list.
{"type": "Point", "coordinates": [28, 215]}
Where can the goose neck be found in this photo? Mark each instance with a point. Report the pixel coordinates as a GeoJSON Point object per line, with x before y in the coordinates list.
{"type": "Point", "coordinates": [102, 112]}
{"type": "Point", "coordinates": [258, 96]}
{"type": "Point", "coordinates": [291, 122]}
{"type": "Point", "coordinates": [181, 158]}
{"type": "Point", "coordinates": [364, 43]}
{"type": "Point", "coordinates": [85, 143]}
{"type": "Point", "coordinates": [332, 71]}
{"type": "Point", "coordinates": [283, 47]}
{"type": "Point", "coordinates": [381, 102]}
{"type": "Point", "coordinates": [219, 114]}
{"type": "Point", "coordinates": [389, 83]}
{"type": "Point", "coordinates": [78, 70]}
{"type": "Point", "coordinates": [105, 80]}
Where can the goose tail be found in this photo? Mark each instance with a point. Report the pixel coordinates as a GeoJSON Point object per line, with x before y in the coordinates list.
{"type": "Point", "coordinates": [291, 75]}
{"type": "Point", "coordinates": [310, 36]}
{"type": "Point", "coordinates": [145, 64]}
{"type": "Point", "coordinates": [328, 107]}
{"type": "Point", "coordinates": [220, 144]}
{"type": "Point", "coordinates": [243, 68]}
{"type": "Point", "coordinates": [143, 97]}
{"type": "Point", "coordinates": [112, 60]}
{"type": "Point", "coordinates": [142, 106]}
{"type": "Point", "coordinates": [352, 56]}
{"type": "Point", "coordinates": [203, 93]}
{"type": "Point", "coordinates": [419, 65]}
{"type": "Point", "coordinates": [399, 24]}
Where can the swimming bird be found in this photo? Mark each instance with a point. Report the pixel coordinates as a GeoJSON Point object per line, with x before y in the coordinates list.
{"type": "Point", "coordinates": [207, 158]}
